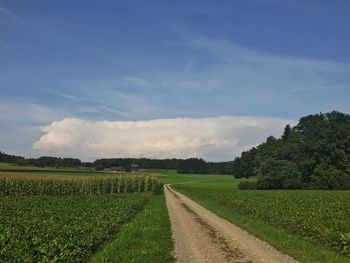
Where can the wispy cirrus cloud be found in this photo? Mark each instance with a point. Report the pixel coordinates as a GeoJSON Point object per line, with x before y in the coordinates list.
{"type": "Point", "coordinates": [231, 68]}
{"type": "Point", "coordinates": [332, 87]}
{"type": "Point", "coordinates": [231, 80]}
{"type": "Point", "coordinates": [7, 12]}
{"type": "Point", "coordinates": [235, 66]}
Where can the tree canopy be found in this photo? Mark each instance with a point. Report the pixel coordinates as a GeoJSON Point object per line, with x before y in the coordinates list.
{"type": "Point", "coordinates": [315, 154]}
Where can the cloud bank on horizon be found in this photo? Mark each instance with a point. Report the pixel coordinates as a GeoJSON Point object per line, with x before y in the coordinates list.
{"type": "Point", "coordinates": [215, 138]}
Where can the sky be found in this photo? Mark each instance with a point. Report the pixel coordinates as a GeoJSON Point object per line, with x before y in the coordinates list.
{"type": "Point", "coordinates": [163, 79]}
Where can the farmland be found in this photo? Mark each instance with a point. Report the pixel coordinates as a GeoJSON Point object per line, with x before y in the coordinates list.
{"type": "Point", "coordinates": [63, 228]}
{"type": "Point", "coordinates": [70, 215]}
{"type": "Point", "coordinates": [77, 215]}
{"type": "Point", "coordinates": [27, 184]}
{"type": "Point", "coordinates": [312, 226]}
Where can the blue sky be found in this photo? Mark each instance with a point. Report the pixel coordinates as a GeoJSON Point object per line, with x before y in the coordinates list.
{"type": "Point", "coordinates": [146, 60]}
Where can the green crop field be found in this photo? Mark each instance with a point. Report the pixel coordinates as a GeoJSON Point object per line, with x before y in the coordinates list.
{"type": "Point", "coordinates": [62, 228]}
{"type": "Point", "coordinates": [312, 226]}
{"type": "Point", "coordinates": [101, 225]}
{"type": "Point", "coordinates": [27, 184]}
{"type": "Point", "coordinates": [53, 215]}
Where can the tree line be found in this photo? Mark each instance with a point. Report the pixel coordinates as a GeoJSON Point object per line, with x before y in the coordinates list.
{"type": "Point", "coordinates": [44, 161]}
{"type": "Point", "coordinates": [314, 154]}
{"type": "Point", "coordinates": [190, 165]}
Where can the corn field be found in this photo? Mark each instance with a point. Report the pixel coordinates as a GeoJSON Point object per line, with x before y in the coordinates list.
{"type": "Point", "coordinates": [26, 185]}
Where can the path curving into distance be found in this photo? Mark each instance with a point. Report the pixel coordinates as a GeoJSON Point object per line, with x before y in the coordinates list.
{"type": "Point", "coordinates": [201, 236]}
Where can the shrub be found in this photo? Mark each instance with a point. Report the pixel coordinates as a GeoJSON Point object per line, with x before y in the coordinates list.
{"type": "Point", "coordinates": [99, 167]}
{"type": "Point", "coordinates": [248, 185]}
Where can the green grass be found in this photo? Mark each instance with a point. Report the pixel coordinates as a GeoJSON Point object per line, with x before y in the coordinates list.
{"type": "Point", "coordinates": [296, 222]}
{"type": "Point", "coordinates": [147, 238]}
{"type": "Point", "coordinates": [62, 228]}
{"type": "Point", "coordinates": [172, 177]}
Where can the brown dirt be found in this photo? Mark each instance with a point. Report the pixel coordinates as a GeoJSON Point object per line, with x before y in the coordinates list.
{"type": "Point", "coordinates": [201, 236]}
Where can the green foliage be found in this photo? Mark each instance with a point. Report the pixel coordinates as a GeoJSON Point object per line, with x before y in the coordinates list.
{"type": "Point", "coordinates": [126, 163]}
{"type": "Point", "coordinates": [193, 166]}
{"type": "Point", "coordinates": [99, 167]}
{"type": "Point", "coordinates": [248, 185]}
{"type": "Point", "coordinates": [64, 228]}
{"type": "Point", "coordinates": [279, 174]}
{"type": "Point", "coordinates": [328, 177]}
{"type": "Point", "coordinates": [244, 166]}
{"type": "Point", "coordinates": [40, 162]}
{"type": "Point", "coordinates": [321, 217]}
{"type": "Point", "coordinates": [317, 151]}
{"type": "Point", "coordinates": [7, 158]}
{"type": "Point", "coordinates": [90, 185]}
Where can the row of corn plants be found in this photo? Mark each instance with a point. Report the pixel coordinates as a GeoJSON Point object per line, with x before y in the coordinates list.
{"type": "Point", "coordinates": [63, 185]}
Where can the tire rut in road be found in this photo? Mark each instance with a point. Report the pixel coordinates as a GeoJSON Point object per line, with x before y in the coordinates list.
{"type": "Point", "coordinates": [201, 236]}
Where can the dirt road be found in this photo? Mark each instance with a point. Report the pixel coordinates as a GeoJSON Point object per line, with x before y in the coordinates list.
{"type": "Point", "coordinates": [201, 236]}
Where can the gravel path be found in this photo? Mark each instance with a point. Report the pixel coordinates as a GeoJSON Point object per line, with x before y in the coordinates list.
{"type": "Point", "coordinates": [201, 236]}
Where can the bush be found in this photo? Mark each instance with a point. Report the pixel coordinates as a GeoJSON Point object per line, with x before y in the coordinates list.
{"type": "Point", "coordinates": [248, 185]}
{"type": "Point", "coordinates": [99, 167]}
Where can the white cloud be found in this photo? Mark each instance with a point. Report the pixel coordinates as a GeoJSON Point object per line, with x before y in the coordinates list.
{"type": "Point", "coordinates": [217, 138]}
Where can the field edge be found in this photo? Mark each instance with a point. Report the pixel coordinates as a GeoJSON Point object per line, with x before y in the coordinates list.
{"type": "Point", "coordinates": [288, 243]}
{"type": "Point", "coordinates": [146, 238]}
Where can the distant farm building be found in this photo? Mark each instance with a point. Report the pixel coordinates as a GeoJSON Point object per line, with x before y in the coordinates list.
{"type": "Point", "coordinates": [134, 167]}
{"type": "Point", "coordinates": [117, 169]}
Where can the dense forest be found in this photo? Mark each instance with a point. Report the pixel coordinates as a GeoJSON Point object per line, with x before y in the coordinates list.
{"type": "Point", "coordinates": [191, 165]}
{"type": "Point", "coordinates": [314, 154]}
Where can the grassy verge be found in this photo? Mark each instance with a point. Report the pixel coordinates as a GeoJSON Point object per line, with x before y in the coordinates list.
{"type": "Point", "coordinates": [147, 238]}
{"type": "Point", "coordinates": [293, 245]}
